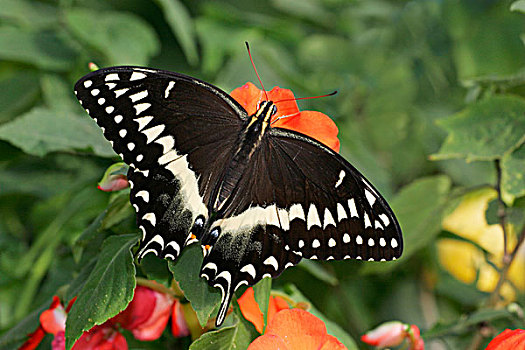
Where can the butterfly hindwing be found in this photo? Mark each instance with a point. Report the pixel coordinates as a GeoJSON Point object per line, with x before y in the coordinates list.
{"type": "Point", "coordinates": [175, 132]}
{"type": "Point", "coordinates": [297, 199]}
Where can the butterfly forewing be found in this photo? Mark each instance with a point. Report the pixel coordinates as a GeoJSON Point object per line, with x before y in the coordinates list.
{"type": "Point", "coordinates": [176, 133]}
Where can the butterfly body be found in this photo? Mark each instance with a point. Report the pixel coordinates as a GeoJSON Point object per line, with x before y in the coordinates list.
{"type": "Point", "coordinates": [257, 198]}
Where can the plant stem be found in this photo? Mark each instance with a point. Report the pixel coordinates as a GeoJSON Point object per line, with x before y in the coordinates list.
{"type": "Point", "coordinates": [507, 259]}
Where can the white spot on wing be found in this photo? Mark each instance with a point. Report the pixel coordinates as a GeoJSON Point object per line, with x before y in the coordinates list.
{"type": "Point", "coordinates": [332, 243]}
{"type": "Point", "coordinates": [88, 83]}
{"type": "Point", "coordinates": [359, 240]}
{"type": "Point", "coordinates": [249, 269]}
{"type": "Point", "coordinates": [384, 218]}
{"type": "Point", "coordinates": [151, 218]}
{"type": "Point", "coordinates": [111, 85]}
{"type": "Point", "coordinates": [346, 238]}
{"type": "Point", "coordinates": [137, 76]}
{"type": "Point", "coordinates": [328, 219]}
{"type": "Point", "coordinates": [167, 142]}
{"type": "Point", "coordinates": [370, 197]}
{"type": "Point", "coordinates": [171, 84]}
{"type": "Point", "coordinates": [141, 107]}
{"type": "Point", "coordinates": [95, 92]}
{"type": "Point", "coordinates": [110, 109]}
{"type": "Point", "coordinates": [120, 92]}
{"type": "Point", "coordinates": [271, 261]}
{"type": "Point", "coordinates": [313, 217]}
{"type": "Point", "coordinates": [153, 133]}
{"type": "Point", "coordinates": [144, 194]}
{"type": "Point", "coordinates": [367, 221]}
{"type": "Point", "coordinates": [296, 212]}
{"type": "Point", "coordinates": [112, 76]}
{"type": "Point", "coordinates": [143, 121]}
{"type": "Point", "coordinates": [118, 118]}
{"type": "Point", "coordinates": [316, 244]}
{"type": "Point", "coordinates": [394, 243]}
{"type": "Point", "coordinates": [138, 96]}
{"type": "Point", "coordinates": [382, 242]}
{"type": "Point", "coordinates": [341, 177]}
{"type": "Point", "coordinates": [341, 212]}
{"type": "Point", "coordinates": [168, 157]}
{"type": "Point", "coordinates": [371, 242]}
{"type": "Point", "coordinates": [123, 132]}
{"type": "Point", "coordinates": [352, 207]}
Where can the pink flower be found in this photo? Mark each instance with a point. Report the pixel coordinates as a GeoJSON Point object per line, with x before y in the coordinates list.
{"type": "Point", "coordinates": [393, 334]}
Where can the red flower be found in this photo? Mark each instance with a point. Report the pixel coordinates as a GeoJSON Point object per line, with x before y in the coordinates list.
{"type": "Point", "coordinates": [251, 311]}
{"type": "Point", "coordinates": [508, 339]}
{"type": "Point", "coordinates": [296, 329]}
{"type": "Point", "coordinates": [314, 124]}
{"type": "Point", "coordinates": [394, 333]}
{"type": "Point", "coordinates": [146, 317]}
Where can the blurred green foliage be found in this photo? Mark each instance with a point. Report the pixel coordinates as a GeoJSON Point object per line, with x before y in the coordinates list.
{"type": "Point", "coordinates": [411, 76]}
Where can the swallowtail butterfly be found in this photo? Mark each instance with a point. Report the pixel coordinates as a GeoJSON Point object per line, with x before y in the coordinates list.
{"type": "Point", "coordinates": [257, 198]}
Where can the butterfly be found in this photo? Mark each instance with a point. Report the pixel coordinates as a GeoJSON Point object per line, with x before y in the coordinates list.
{"type": "Point", "coordinates": [257, 198]}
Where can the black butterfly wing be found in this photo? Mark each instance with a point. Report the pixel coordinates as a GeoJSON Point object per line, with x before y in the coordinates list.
{"type": "Point", "coordinates": [176, 133]}
{"type": "Point", "coordinates": [297, 199]}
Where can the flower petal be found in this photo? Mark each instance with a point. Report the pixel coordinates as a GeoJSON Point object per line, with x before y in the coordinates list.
{"type": "Point", "coordinates": [53, 320]}
{"type": "Point", "coordinates": [139, 310]}
{"type": "Point", "coordinates": [153, 327]}
{"type": "Point", "coordinates": [314, 124]}
{"type": "Point", "coordinates": [508, 339]}
{"type": "Point", "coordinates": [268, 342]}
{"type": "Point", "coordinates": [34, 339]}
{"type": "Point", "coordinates": [285, 108]}
{"type": "Point", "coordinates": [300, 330]}
{"type": "Point", "coordinates": [179, 327]}
{"type": "Point", "coordinates": [101, 338]}
{"type": "Point", "coordinates": [388, 334]}
{"type": "Point", "coordinates": [248, 96]}
{"type": "Point", "coordinates": [250, 309]}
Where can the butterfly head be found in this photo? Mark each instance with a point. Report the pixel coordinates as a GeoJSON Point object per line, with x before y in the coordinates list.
{"type": "Point", "coordinates": [265, 111]}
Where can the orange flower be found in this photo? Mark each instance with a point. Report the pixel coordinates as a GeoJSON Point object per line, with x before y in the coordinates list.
{"type": "Point", "coordinates": [314, 124]}
{"type": "Point", "coordinates": [508, 339]}
{"type": "Point", "coordinates": [296, 329]}
{"type": "Point", "coordinates": [251, 311]}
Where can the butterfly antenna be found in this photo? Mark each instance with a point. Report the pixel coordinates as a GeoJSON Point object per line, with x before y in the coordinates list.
{"type": "Point", "coordinates": [306, 98]}
{"type": "Point", "coordinates": [255, 69]}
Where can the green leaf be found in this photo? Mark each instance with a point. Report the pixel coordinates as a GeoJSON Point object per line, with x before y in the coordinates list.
{"type": "Point", "coordinates": [18, 334]}
{"type": "Point", "coordinates": [513, 175]}
{"type": "Point", "coordinates": [42, 49]}
{"type": "Point", "coordinates": [518, 6]}
{"type": "Point", "coordinates": [182, 27]}
{"type": "Point", "coordinates": [466, 323]}
{"type": "Point", "coordinates": [43, 130]}
{"type": "Point", "coordinates": [419, 208]}
{"type": "Point", "coordinates": [30, 14]}
{"type": "Point", "coordinates": [319, 271]}
{"type": "Point", "coordinates": [58, 94]}
{"type": "Point", "coordinates": [236, 337]}
{"type": "Point", "coordinates": [122, 37]}
{"type": "Point", "coordinates": [107, 291]}
{"type": "Point", "coordinates": [485, 130]}
{"type": "Point", "coordinates": [261, 293]}
{"type": "Point", "coordinates": [19, 89]}
{"type": "Point", "coordinates": [331, 327]}
{"type": "Point", "coordinates": [118, 209]}
{"type": "Point", "coordinates": [186, 271]}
